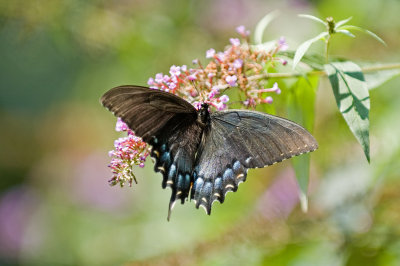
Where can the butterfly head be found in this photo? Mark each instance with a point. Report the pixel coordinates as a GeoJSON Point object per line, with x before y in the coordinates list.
{"type": "Point", "coordinates": [204, 114]}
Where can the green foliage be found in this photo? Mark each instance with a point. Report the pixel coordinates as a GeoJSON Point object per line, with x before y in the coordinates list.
{"type": "Point", "coordinates": [301, 102]}
{"type": "Point", "coordinates": [352, 98]}
{"type": "Point", "coordinates": [262, 25]}
{"type": "Point", "coordinates": [331, 29]}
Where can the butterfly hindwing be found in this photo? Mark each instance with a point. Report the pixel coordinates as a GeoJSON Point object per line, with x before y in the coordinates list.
{"type": "Point", "coordinates": [237, 140]}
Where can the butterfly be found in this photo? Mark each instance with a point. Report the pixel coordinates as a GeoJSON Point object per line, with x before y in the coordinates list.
{"type": "Point", "coordinates": [202, 155]}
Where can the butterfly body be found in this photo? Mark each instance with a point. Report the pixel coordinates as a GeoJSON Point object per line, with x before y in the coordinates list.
{"type": "Point", "coordinates": [202, 155]}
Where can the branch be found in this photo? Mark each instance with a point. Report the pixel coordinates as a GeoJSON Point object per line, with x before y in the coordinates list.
{"type": "Point", "coordinates": [320, 73]}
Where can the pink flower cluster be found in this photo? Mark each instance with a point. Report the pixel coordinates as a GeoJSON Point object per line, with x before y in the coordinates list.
{"type": "Point", "coordinates": [232, 68]}
{"type": "Point", "coordinates": [128, 152]}
{"type": "Point", "coordinates": [235, 68]}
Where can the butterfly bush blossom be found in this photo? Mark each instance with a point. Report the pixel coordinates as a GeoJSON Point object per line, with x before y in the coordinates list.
{"type": "Point", "coordinates": [237, 67]}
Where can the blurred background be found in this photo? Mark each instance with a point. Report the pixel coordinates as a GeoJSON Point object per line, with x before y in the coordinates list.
{"type": "Point", "coordinates": [58, 57]}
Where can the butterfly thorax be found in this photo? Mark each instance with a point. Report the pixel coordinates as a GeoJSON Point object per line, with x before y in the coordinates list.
{"type": "Point", "coordinates": [203, 118]}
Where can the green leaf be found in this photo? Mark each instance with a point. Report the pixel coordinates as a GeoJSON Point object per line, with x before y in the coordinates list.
{"type": "Point", "coordinates": [262, 25]}
{"type": "Point", "coordinates": [304, 47]}
{"type": "Point", "coordinates": [379, 77]}
{"type": "Point", "coordinates": [301, 110]}
{"type": "Point", "coordinates": [313, 18]}
{"type": "Point", "coordinates": [346, 32]}
{"type": "Point", "coordinates": [370, 33]}
{"type": "Point", "coordinates": [315, 61]}
{"type": "Point", "coordinates": [342, 22]}
{"type": "Point", "coordinates": [352, 98]}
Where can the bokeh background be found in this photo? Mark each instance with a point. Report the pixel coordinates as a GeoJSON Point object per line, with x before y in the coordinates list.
{"type": "Point", "coordinates": [56, 208]}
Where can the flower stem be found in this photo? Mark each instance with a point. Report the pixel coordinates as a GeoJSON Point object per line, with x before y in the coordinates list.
{"type": "Point", "coordinates": [320, 72]}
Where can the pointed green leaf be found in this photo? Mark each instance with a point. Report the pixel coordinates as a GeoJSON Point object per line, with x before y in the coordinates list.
{"type": "Point", "coordinates": [262, 25]}
{"type": "Point", "coordinates": [346, 32]}
{"type": "Point", "coordinates": [342, 22]}
{"type": "Point", "coordinates": [301, 110]}
{"type": "Point", "coordinates": [370, 33]}
{"type": "Point", "coordinates": [315, 61]}
{"type": "Point", "coordinates": [352, 98]}
{"type": "Point", "coordinates": [312, 18]}
{"type": "Point", "coordinates": [376, 79]}
{"type": "Point", "coordinates": [304, 47]}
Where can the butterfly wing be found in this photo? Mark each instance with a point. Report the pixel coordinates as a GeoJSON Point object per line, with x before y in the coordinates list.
{"type": "Point", "coordinates": [144, 110]}
{"type": "Point", "coordinates": [237, 140]}
{"type": "Point", "coordinates": [168, 124]}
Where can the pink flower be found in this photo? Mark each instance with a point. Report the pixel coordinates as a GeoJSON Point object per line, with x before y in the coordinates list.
{"type": "Point", "coordinates": [234, 41]}
{"type": "Point", "coordinates": [276, 88]}
{"type": "Point", "coordinates": [268, 99]}
{"type": "Point", "coordinates": [231, 80]}
{"type": "Point", "coordinates": [210, 53]}
{"type": "Point", "coordinates": [224, 98]}
{"type": "Point", "coordinates": [120, 125]}
{"type": "Point", "coordinates": [220, 106]}
{"type": "Point", "coordinates": [150, 81]}
{"type": "Point", "coordinates": [192, 77]}
{"type": "Point", "coordinates": [172, 86]}
{"type": "Point", "coordinates": [282, 44]}
{"type": "Point", "coordinates": [238, 63]}
{"type": "Point", "coordinates": [175, 70]}
{"type": "Point", "coordinates": [221, 56]}
{"type": "Point", "coordinates": [242, 31]}
{"type": "Point", "coordinates": [159, 77]}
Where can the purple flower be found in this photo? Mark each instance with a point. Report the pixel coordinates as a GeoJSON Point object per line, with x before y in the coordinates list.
{"type": "Point", "coordinates": [120, 125]}
{"type": "Point", "coordinates": [234, 41]}
{"type": "Point", "coordinates": [220, 106]}
{"type": "Point", "coordinates": [175, 70]}
{"type": "Point", "coordinates": [159, 77]}
{"type": "Point", "coordinates": [210, 53]}
{"type": "Point", "coordinates": [242, 31]}
{"type": "Point", "coordinates": [150, 81]}
{"type": "Point", "coordinates": [268, 99]}
{"type": "Point", "coordinates": [231, 80]}
{"type": "Point", "coordinates": [211, 75]}
{"type": "Point", "coordinates": [166, 79]}
{"type": "Point", "coordinates": [213, 92]}
{"type": "Point", "coordinates": [192, 77]}
{"type": "Point", "coordinates": [276, 88]}
{"type": "Point", "coordinates": [224, 98]}
{"type": "Point", "coordinates": [184, 68]}
{"type": "Point", "coordinates": [282, 45]}
{"type": "Point", "coordinates": [195, 61]}
{"type": "Point", "coordinates": [172, 86]}
{"type": "Point", "coordinates": [221, 56]}
{"type": "Point", "coordinates": [238, 63]}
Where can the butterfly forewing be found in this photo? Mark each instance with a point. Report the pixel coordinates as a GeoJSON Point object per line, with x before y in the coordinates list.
{"type": "Point", "coordinates": [237, 140]}
{"type": "Point", "coordinates": [144, 110]}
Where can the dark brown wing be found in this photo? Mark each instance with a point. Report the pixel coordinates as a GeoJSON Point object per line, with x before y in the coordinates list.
{"type": "Point", "coordinates": [168, 123]}
{"type": "Point", "coordinates": [144, 110]}
{"type": "Point", "coordinates": [238, 140]}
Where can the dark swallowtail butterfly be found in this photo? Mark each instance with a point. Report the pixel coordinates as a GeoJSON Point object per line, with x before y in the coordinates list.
{"type": "Point", "coordinates": [202, 154]}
